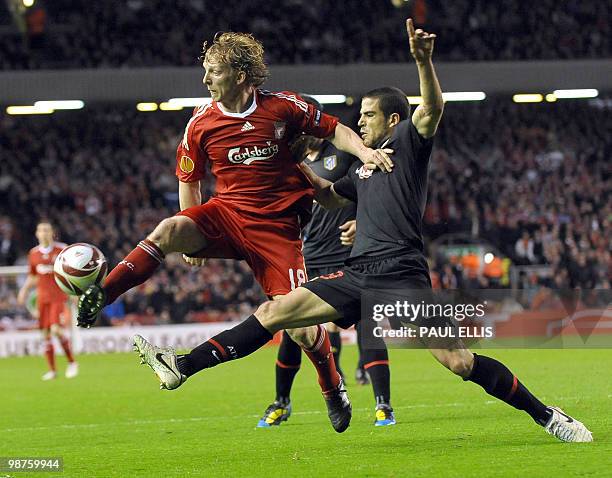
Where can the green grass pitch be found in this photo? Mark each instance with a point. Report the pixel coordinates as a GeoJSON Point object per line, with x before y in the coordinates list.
{"type": "Point", "coordinates": [113, 421]}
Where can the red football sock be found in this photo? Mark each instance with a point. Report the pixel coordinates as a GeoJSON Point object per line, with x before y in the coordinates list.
{"type": "Point", "coordinates": [65, 343]}
{"type": "Point", "coordinates": [50, 354]}
{"type": "Point", "coordinates": [321, 356]}
{"type": "Point", "coordinates": [137, 267]}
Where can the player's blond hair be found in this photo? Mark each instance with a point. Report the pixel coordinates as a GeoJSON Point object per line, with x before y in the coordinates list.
{"type": "Point", "coordinates": [242, 52]}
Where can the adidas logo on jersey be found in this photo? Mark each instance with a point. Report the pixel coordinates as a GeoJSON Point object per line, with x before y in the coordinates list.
{"type": "Point", "coordinates": [247, 127]}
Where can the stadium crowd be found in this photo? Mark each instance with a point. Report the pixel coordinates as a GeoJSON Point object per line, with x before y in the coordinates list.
{"type": "Point", "coordinates": [534, 181]}
{"type": "Point", "coordinates": [137, 33]}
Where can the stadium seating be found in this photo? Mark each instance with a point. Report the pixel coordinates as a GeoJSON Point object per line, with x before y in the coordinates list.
{"type": "Point", "coordinates": [82, 34]}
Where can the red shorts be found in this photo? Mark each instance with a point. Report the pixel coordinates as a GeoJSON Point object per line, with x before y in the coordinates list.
{"type": "Point", "coordinates": [50, 313]}
{"type": "Point", "coordinates": [271, 246]}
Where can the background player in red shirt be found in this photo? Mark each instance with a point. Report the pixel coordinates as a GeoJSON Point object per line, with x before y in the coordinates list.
{"type": "Point", "coordinates": [50, 299]}
{"type": "Point", "coordinates": [261, 198]}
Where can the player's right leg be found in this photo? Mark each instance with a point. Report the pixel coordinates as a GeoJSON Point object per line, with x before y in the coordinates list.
{"type": "Point", "coordinates": [49, 354]}
{"type": "Point", "coordinates": [173, 234]}
{"type": "Point", "coordinates": [336, 343]}
{"type": "Point", "coordinates": [299, 308]}
{"type": "Point", "coordinates": [499, 382]}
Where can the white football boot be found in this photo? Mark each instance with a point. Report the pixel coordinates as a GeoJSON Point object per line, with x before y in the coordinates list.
{"type": "Point", "coordinates": [162, 361]}
{"type": "Point", "coordinates": [566, 428]}
{"type": "Point", "coordinates": [72, 370]}
{"type": "Point", "coordinates": [50, 375]}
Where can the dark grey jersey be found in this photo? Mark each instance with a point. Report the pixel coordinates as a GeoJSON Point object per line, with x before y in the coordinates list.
{"type": "Point", "coordinates": [390, 206]}
{"type": "Point", "coordinates": [321, 236]}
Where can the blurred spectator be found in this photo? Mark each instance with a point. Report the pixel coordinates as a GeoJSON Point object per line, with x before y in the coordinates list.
{"type": "Point", "coordinates": [524, 250]}
{"type": "Point", "coordinates": [8, 248]}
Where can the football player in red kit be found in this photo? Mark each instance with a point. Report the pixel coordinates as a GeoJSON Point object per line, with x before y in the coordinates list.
{"type": "Point", "coordinates": [261, 199]}
{"type": "Point", "coordinates": [50, 299]}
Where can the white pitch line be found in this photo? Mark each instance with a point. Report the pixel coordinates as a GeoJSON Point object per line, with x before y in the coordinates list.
{"type": "Point", "coordinates": [244, 417]}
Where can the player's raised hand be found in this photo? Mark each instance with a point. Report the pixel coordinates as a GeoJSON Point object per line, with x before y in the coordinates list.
{"type": "Point", "coordinates": [378, 159]}
{"type": "Point", "coordinates": [194, 261]}
{"type": "Point", "coordinates": [421, 42]}
{"type": "Point", "coordinates": [347, 236]}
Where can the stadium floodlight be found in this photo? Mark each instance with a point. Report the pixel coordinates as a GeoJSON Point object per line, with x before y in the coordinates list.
{"type": "Point", "coordinates": [28, 110]}
{"type": "Point", "coordinates": [166, 106]}
{"type": "Point", "coordinates": [453, 96]}
{"type": "Point", "coordinates": [528, 98]}
{"type": "Point", "coordinates": [188, 102]}
{"type": "Point", "coordinates": [146, 106]}
{"type": "Point", "coordinates": [576, 93]}
{"type": "Point", "coordinates": [464, 96]}
{"type": "Point", "coordinates": [329, 99]}
{"type": "Point", "coordinates": [61, 104]}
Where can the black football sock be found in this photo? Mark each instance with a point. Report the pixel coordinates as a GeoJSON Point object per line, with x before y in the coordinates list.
{"type": "Point", "coordinates": [288, 365]}
{"type": "Point", "coordinates": [376, 363]}
{"type": "Point", "coordinates": [358, 329]}
{"type": "Point", "coordinates": [230, 344]}
{"type": "Point", "coordinates": [336, 343]}
{"type": "Point", "coordinates": [499, 382]}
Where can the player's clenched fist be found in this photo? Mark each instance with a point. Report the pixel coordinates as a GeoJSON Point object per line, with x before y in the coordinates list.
{"type": "Point", "coordinates": [421, 42]}
{"type": "Point", "coordinates": [347, 236]}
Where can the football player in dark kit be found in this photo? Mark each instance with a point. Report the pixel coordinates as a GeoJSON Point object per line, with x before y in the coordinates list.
{"type": "Point", "coordinates": [327, 239]}
{"type": "Point", "coordinates": [388, 254]}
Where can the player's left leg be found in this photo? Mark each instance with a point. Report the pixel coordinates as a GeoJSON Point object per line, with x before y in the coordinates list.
{"type": "Point", "coordinates": [58, 330]}
{"type": "Point", "coordinates": [375, 359]}
{"type": "Point", "coordinates": [495, 378]}
{"type": "Point", "coordinates": [288, 362]}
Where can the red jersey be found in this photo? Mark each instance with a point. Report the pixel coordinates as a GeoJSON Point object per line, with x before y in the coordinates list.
{"type": "Point", "coordinates": [249, 152]}
{"type": "Point", "coordinates": [41, 261]}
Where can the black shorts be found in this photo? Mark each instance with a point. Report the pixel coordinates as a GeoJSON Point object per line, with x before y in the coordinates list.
{"type": "Point", "coordinates": [343, 289]}
{"type": "Point", "coordinates": [314, 272]}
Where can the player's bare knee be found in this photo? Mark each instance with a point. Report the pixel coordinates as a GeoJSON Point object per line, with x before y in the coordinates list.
{"type": "Point", "coordinates": [162, 233]}
{"type": "Point", "coordinates": [459, 363]}
{"type": "Point", "coordinates": [301, 336]}
{"type": "Point", "coordinates": [266, 313]}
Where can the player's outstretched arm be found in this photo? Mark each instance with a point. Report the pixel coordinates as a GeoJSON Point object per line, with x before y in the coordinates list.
{"type": "Point", "coordinates": [324, 191]}
{"type": "Point", "coordinates": [427, 115]}
{"type": "Point", "coordinates": [345, 139]}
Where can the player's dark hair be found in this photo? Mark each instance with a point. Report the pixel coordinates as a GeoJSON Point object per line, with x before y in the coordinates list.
{"type": "Point", "coordinates": [44, 220]}
{"type": "Point", "coordinates": [391, 100]}
{"type": "Point", "coordinates": [242, 52]}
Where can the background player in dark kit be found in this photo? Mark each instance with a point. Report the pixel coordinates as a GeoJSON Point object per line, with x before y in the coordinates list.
{"type": "Point", "coordinates": [388, 251]}
{"type": "Point", "coordinates": [328, 238]}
